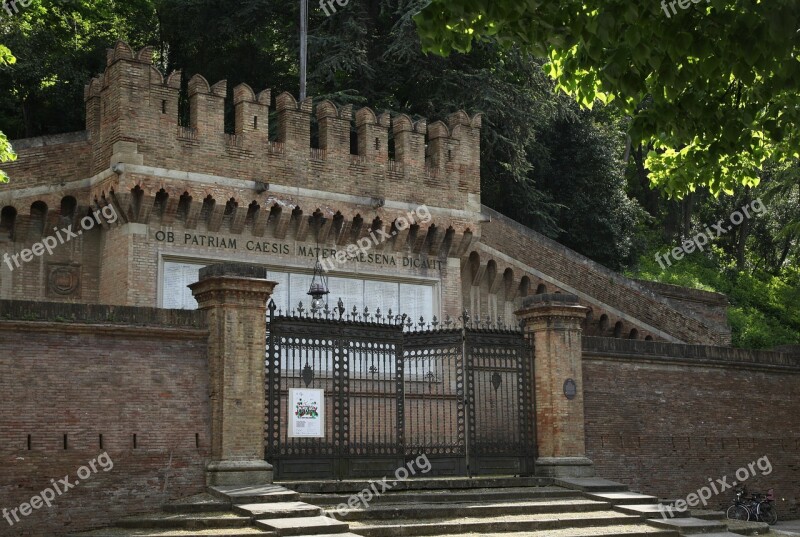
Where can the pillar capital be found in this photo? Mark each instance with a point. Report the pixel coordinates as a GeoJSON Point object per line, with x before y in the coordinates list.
{"type": "Point", "coordinates": [234, 284]}
{"type": "Point", "coordinates": [557, 311]}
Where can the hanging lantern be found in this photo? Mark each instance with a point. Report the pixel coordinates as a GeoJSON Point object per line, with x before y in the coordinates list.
{"type": "Point", "coordinates": [319, 288]}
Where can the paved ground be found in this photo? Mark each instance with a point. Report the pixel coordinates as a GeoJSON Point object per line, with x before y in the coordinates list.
{"type": "Point", "coordinates": [789, 528]}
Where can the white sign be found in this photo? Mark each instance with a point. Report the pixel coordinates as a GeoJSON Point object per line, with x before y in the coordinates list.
{"type": "Point", "coordinates": [306, 413]}
{"type": "Point", "coordinates": [413, 299]}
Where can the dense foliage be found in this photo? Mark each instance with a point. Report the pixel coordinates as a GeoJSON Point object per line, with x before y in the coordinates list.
{"type": "Point", "coordinates": [582, 176]}
{"type": "Point", "coordinates": [712, 86]}
{"type": "Point", "coordinates": [6, 151]}
{"type": "Point", "coordinates": [763, 311]}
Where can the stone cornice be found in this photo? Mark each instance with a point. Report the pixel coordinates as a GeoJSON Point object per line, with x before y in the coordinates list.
{"type": "Point", "coordinates": [139, 332]}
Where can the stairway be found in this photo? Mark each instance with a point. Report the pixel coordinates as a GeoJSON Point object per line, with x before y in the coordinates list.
{"type": "Point", "coordinates": [444, 507]}
{"type": "Point", "coordinates": [269, 510]}
{"type": "Point", "coordinates": [507, 507]}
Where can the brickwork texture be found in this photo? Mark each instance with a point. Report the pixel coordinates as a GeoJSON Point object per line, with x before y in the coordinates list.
{"type": "Point", "coordinates": [122, 382]}
{"type": "Point", "coordinates": [665, 418]}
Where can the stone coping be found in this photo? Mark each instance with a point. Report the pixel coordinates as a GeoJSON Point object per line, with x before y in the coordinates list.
{"type": "Point", "coordinates": [63, 312]}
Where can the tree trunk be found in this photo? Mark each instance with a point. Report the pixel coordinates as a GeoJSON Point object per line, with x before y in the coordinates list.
{"type": "Point", "coordinates": [687, 207]}
{"type": "Point", "coordinates": [743, 234]}
{"type": "Point", "coordinates": [28, 119]}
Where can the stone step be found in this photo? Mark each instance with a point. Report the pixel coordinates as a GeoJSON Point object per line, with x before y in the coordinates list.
{"type": "Point", "coordinates": [215, 532]}
{"type": "Point", "coordinates": [743, 527]}
{"type": "Point", "coordinates": [720, 534]}
{"type": "Point", "coordinates": [473, 510]}
{"type": "Point", "coordinates": [254, 494]}
{"type": "Point", "coordinates": [450, 496]}
{"type": "Point", "coordinates": [345, 534]}
{"type": "Point", "coordinates": [707, 514]}
{"type": "Point", "coordinates": [650, 510]}
{"type": "Point", "coordinates": [416, 483]}
{"type": "Point", "coordinates": [590, 484]}
{"type": "Point", "coordinates": [689, 525]}
{"type": "Point", "coordinates": [264, 511]}
{"type": "Point", "coordinates": [484, 525]}
{"type": "Point", "coordinates": [199, 503]}
{"type": "Point", "coordinates": [622, 498]}
{"type": "Point", "coordinates": [630, 530]}
{"type": "Point", "coordinates": [315, 525]}
{"type": "Point", "coordinates": [188, 521]}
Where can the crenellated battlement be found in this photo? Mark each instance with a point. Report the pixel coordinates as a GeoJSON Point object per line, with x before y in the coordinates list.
{"type": "Point", "coordinates": [132, 117]}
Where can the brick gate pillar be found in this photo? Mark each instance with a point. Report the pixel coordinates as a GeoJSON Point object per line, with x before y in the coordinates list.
{"type": "Point", "coordinates": [553, 324]}
{"type": "Point", "coordinates": [234, 298]}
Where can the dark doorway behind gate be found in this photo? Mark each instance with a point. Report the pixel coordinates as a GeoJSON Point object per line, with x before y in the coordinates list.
{"type": "Point", "coordinates": [458, 393]}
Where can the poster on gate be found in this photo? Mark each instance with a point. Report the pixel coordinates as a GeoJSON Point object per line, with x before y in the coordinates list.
{"type": "Point", "coordinates": [306, 413]}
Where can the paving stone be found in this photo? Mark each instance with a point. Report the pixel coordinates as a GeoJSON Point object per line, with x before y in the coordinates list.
{"type": "Point", "coordinates": [185, 521]}
{"type": "Point", "coordinates": [707, 514]}
{"type": "Point", "coordinates": [689, 525]}
{"type": "Point", "coordinates": [483, 525]}
{"type": "Point", "coordinates": [345, 534]}
{"type": "Point", "coordinates": [720, 534]}
{"type": "Point", "coordinates": [629, 530]}
{"type": "Point", "coordinates": [621, 498]}
{"type": "Point", "coordinates": [476, 509]}
{"type": "Point", "coordinates": [254, 494]}
{"type": "Point", "coordinates": [277, 510]}
{"type": "Point", "coordinates": [199, 503]}
{"type": "Point", "coordinates": [431, 483]}
{"type": "Point", "coordinates": [317, 525]}
{"type": "Point", "coordinates": [650, 510]}
{"type": "Point", "coordinates": [212, 532]}
{"type": "Point", "coordinates": [590, 484]}
{"type": "Point", "coordinates": [746, 527]}
{"type": "Point", "coordinates": [450, 496]}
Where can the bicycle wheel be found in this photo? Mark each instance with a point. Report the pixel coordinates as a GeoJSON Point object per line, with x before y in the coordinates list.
{"type": "Point", "coordinates": [738, 512]}
{"type": "Point", "coordinates": [768, 513]}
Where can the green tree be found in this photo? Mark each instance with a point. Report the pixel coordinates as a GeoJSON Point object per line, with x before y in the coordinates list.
{"type": "Point", "coordinates": [711, 88]}
{"type": "Point", "coordinates": [6, 151]}
{"type": "Point", "coordinates": [775, 235]}
{"type": "Point", "coordinates": [59, 46]}
{"type": "Point", "coordinates": [366, 53]}
{"type": "Point", "coordinates": [584, 176]}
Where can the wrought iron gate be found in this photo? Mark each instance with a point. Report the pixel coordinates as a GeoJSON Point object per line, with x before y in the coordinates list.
{"type": "Point", "coordinates": [394, 390]}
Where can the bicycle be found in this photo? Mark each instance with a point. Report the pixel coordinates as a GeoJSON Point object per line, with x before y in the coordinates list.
{"type": "Point", "coordinates": [758, 507]}
{"type": "Point", "coordinates": [739, 510]}
{"type": "Point", "coordinates": [762, 509]}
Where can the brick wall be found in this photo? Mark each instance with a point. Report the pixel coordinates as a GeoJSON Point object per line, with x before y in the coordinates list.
{"type": "Point", "coordinates": [134, 107]}
{"type": "Point", "coordinates": [599, 288]}
{"type": "Point", "coordinates": [712, 307]}
{"type": "Point", "coordinates": [664, 418]}
{"type": "Point", "coordinates": [85, 371]}
{"type": "Point", "coordinates": [61, 157]}
{"type": "Point", "coordinates": [134, 156]}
